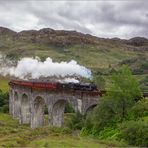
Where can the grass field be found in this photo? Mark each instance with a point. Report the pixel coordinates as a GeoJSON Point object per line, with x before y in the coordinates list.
{"type": "Point", "coordinates": [4, 84]}
{"type": "Point", "coordinates": [12, 134]}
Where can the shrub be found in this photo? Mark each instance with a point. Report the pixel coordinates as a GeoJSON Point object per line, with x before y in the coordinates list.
{"type": "Point", "coordinates": [68, 108]}
{"type": "Point", "coordinates": [85, 131]}
{"type": "Point", "coordinates": [12, 55]}
{"type": "Point", "coordinates": [46, 110]}
{"type": "Point", "coordinates": [3, 102]}
{"type": "Point", "coordinates": [66, 130]}
{"type": "Point", "coordinates": [144, 66]}
{"type": "Point", "coordinates": [140, 109]}
{"type": "Point", "coordinates": [102, 116]}
{"type": "Point", "coordinates": [109, 133]}
{"type": "Point", "coordinates": [135, 132]}
{"type": "Point", "coordinates": [75, 121]}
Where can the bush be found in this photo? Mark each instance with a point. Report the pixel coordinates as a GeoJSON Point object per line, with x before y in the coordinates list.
{"type": "Point", "coordinates": [144, 66]}
{"type": "Point", "coordinates": [109, 133]}
{"type": "Point", "coordinates": [46, 110]}
{"type": "Point", "coordinates": [75, 121]}
{"type": "Point", "coordinates": [85, 131]}
{"type": "Point", "coordinates": [138, 71]}
{"type": "Point", "coordinates": [68, 108]}
{"type": "Point", "coordinates": [66, 130]}
{"type": "Point", "coordinates": [12, 56]}
{"type": "Point", "coordinates": [4, 102]}
{"type": "Point", "coordinates": [102, 116]}
{"type": "Point", "coordinates": [135, 132]}
{"type": "Point", "coordinates": [140, 109]}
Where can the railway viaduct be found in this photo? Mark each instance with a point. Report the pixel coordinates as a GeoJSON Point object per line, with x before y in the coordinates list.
{"type": "Point", "coordinates": [27, 104]}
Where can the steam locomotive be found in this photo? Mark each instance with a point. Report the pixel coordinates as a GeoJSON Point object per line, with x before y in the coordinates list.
{"type": "Point", "coordinates": [56, 86]}
{"type": "Point", "coordinates": [77, 86]}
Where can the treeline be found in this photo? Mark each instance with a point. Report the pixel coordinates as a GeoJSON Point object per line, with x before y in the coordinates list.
{"type": "Point", "coordinates": [121, 114]}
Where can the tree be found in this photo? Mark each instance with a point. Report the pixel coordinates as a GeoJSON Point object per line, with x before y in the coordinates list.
{"type": "Point", "coordinates": [103, 115]}
{"type": "Point", "coordinates": [121, 95]}
{"type": "Point", "coordinates": [124, 91]}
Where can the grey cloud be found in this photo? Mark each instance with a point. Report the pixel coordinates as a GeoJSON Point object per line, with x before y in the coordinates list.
{"type": "Point", "coordinates": [101, 18]}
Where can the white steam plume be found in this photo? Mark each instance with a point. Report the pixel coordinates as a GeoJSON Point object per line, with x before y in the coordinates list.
{"type": "Point", "coordinates": [67, 80]}
{"type": "Point", "coordinates": [34, 68]}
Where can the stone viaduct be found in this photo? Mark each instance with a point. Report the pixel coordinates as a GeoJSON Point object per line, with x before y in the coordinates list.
{"type": "Point", "coordinates": [27, 104]}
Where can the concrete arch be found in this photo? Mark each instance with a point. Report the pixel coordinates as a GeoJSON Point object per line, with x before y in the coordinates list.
{"type": "Point", "coordinates": [38, 112]}
{"type": "Point", "coordinates": [25, 109]}
{"type": "Point", "coordinates": [16, 107]}
{"type": "Point", "coordinates": [58, 113]}
{"type": "Point", "coordinates": [88, 109]}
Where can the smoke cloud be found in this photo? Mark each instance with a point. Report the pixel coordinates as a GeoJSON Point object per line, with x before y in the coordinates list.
{"type": "Point", "coordinates": [67, 80]}
{"type": "Point", "coordinates": [34, 68]}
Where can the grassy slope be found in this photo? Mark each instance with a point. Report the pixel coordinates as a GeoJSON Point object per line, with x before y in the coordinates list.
{"type": "Point", "coordinates": [4, 83]}
{"type": "Point", "coordinates": [13, 135]}
{"type": "Point", "coordinates": [99, 57]}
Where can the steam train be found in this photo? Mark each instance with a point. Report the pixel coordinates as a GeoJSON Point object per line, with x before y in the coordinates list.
{"type": "Point", "coordinates": [77, 86]}
{"type": "Point", "coordinates": [55, 86]}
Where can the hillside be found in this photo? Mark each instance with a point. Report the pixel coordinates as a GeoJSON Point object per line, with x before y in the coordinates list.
{"type": "Point", "coordinates": [12, 134]}
{"type": "Point", "coordinates": [111, 123]}
{"type": "Point", "coordinates": [101, 55]}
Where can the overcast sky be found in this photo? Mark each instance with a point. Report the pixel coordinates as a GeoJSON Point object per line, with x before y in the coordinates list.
{"type": "Point", "coordinates": [107, 18]}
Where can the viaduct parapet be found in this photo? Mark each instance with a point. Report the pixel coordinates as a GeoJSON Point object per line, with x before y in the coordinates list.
{"type": "Point", "coordinates": [27, 102]}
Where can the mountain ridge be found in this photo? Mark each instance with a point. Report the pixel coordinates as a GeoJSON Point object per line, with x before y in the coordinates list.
{"type": "Point", "coordinates": [67, 37]}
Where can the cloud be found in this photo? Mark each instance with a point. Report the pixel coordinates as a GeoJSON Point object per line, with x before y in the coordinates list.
{"type": "Point", "coordinates": [101, 18]}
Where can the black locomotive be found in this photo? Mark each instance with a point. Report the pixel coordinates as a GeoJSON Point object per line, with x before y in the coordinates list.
{"type": "Point", "coordinates": [78, 86]}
